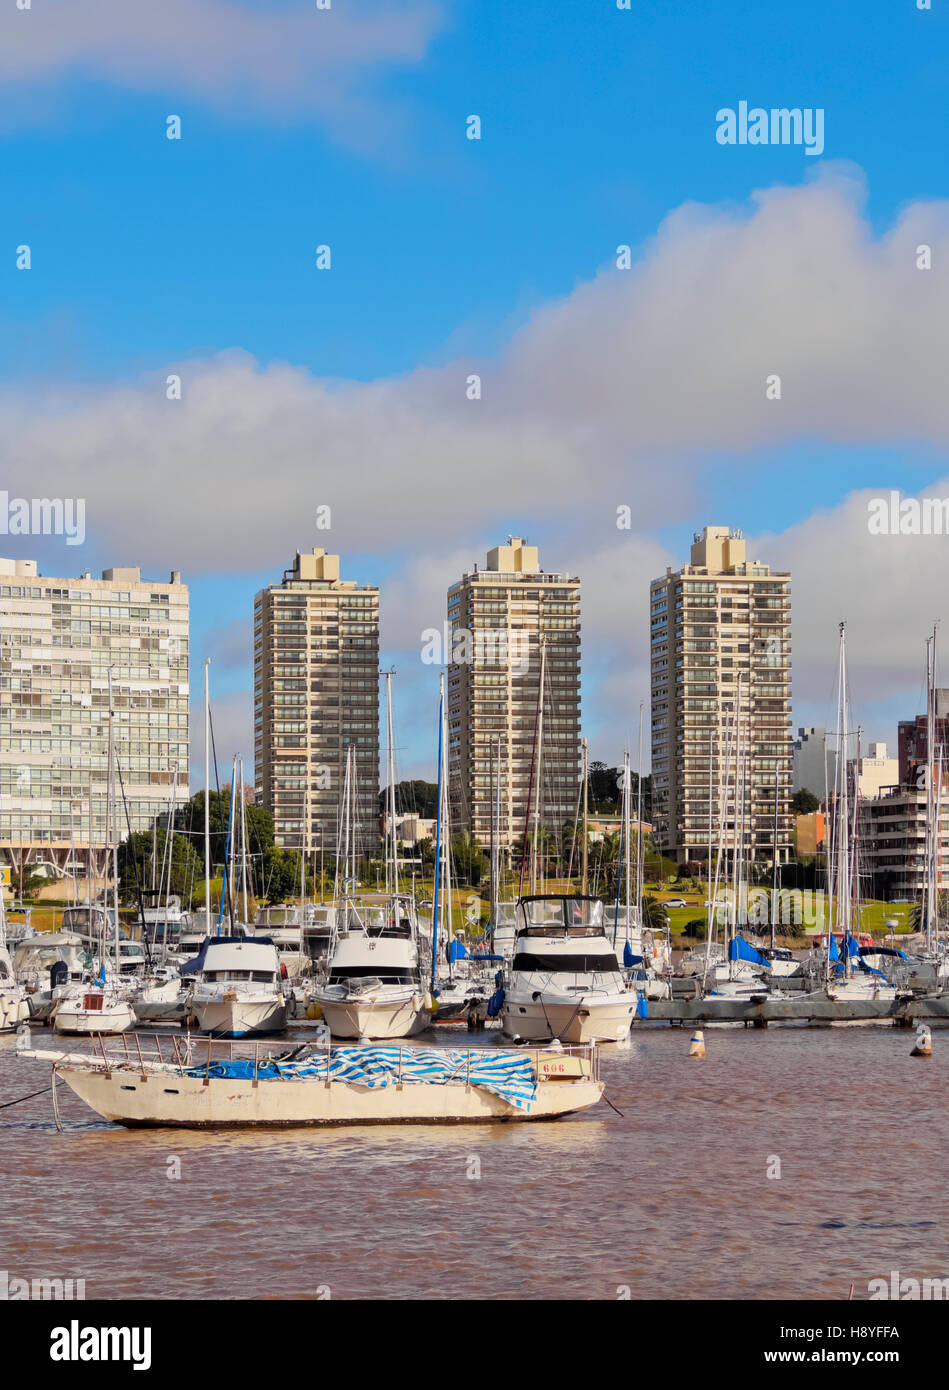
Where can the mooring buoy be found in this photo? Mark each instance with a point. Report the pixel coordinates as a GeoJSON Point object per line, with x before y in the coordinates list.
{"type": "Point", "coordinates": [924, 1042]}
{"type": "Point", "coordinates": [697, 1044]}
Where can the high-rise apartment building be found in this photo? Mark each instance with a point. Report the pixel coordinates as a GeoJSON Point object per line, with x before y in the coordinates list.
{"type": "Point", "coordinates": [719, 618]}
{"type": "Point", "coordinates": [59, 641]}
{"type": "Point", "coordinates": [316, 694]}
{"type": "Point", "coordinates": [499, 617]}
{"type": "Point", "coordinates": [913, 737]}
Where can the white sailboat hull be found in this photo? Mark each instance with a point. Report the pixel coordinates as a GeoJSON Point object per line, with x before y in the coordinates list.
{"type": "Point", "coordinates": [168, 1099]}
{"type": "Point", "coordinates": [73, 1017]}
{"type": "Point", "coordinates": [847, 990]}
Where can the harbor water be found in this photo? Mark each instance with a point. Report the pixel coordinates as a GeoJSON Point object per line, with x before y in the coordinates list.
{"type": "Point", "coordinates": [790, 1163]}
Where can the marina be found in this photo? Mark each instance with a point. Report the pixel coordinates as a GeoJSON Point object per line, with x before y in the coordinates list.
{"type": "Point", "coordinates": [673, 1193]}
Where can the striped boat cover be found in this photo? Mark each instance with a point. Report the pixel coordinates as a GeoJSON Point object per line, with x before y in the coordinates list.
{"type": "Point", "coordinates": [508, 1075]}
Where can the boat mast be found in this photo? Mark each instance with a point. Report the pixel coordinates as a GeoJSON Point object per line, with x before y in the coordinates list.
{"type": "Point", "coordinates": [438, 824]}
{"type": "Point", "coordinates": [738, 828]}
{"type": "Point", "coordinates": [112, 829]}
{"type": "Point", "coordinates": [854, 844]}
{"type": "Point", "coordinates": [709, 911]}
{"type": "Point", "coordinates": [842, 808]}
{"type": "Point", "coordinates": [540, 765]}
{"type": "Point", "coordinates": [640, 850]}
{"type": "Point", "coordinates": [585, 851]}
{"type": "Point", "coordinates": [207, 802]}
{"type": "Point", "coordinates": [495, 832]}
{"type": "Point", "coordinates": [930, 789]}
{"type": "Point", "coordinates": [392, 857]}
{"type": "Point", "coordinates": [774, 859]}
{"type": "Point", "coordinates": [243, 809]}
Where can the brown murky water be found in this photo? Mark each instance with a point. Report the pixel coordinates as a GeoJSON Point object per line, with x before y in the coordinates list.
{"type": "Point", "coordinates": [671, 1200]}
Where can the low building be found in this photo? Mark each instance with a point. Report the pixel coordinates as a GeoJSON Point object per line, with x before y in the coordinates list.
{"type": "Point", "coordinates": [809, 834]}
{"type": "Point", "coordinates": [877, 771]}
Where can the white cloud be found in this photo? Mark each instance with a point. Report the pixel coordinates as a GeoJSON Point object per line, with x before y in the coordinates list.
{"type": "Point", "coordinates": [284, 60]}
{"type": "Point", "coordinates": [613, 395]}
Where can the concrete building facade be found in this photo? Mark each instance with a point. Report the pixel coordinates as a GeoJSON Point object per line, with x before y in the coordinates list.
{"type": "Point", "coordinates": [810, 769]}
{"type": "Point", "coordinates": [719, 617]}
{"type": "Point", "coordinates": [59, 640]}
{"type": "Point", "coordinates": [316, 694]}
{"type": "Point", "coordinates": [892, 829]}
{"type": "Point", "coordinates": [498, 618]}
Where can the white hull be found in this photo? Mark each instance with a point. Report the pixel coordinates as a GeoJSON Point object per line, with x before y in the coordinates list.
{"type": "Point", "coordinates": [573, 1021]}
{"type": "Point", "coordinates": [375, 1018]}
{"type": "Point", "coordinates": [860, 990]}
{"type": "Point", "coordinates": [73, 1018]}
{"type": "Point", "coordinates": [167, 1098]}
{"type": "Point", "coordinates": [240, 1018]}
{"type": "Point", "coordinates": [14, 1009]}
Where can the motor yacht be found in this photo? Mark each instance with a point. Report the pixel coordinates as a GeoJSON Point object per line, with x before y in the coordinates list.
{"type": "Point", "coordinates": [564, 980]}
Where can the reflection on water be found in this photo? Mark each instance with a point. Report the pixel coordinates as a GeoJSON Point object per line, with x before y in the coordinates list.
{"type": "Point", "coordinates": [670, 1199]}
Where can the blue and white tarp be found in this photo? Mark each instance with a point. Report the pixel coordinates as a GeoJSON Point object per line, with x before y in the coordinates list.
{"type": "Point", "coordinates": [508, 1075]}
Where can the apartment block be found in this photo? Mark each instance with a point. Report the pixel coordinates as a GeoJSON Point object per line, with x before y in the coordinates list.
{"type": "Point", "coordinates": [59, 640]}
{"type": "Point", "coordinates": [912, 740]}
{"type": "Point", "coordinates": [499, 617]}
{"type": "Point", "coordinates": [316, 694]}
{"type": "Point", "coordinates": [718, 618]}
{"type": "Point", "coordinates": [892, 838]}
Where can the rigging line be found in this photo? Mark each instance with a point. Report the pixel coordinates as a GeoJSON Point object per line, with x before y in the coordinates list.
{"type": "Point", "coordinates": [217, 783]}
{"type": "Point", "coordinates": [131, 840]}
{"type": "Point", "coordinates": [7, 1103]}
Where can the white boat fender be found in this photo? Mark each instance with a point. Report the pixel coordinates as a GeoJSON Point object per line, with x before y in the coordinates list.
{"type": "Point", "coordinates": [697, 1044]}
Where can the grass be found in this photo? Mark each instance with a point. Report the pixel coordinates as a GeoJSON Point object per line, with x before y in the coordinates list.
{"type": "Point", "coordinates": [47, 915]}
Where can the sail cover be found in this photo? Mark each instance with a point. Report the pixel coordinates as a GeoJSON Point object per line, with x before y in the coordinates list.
{"type": "Point", "coordinates": [507, 1075]}
{"type": "Point", "coordinates": [739, 949]}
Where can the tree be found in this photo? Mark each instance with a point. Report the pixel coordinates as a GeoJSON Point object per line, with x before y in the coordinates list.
{"type": "Point", "coordinates": [469, 859]}
{"type": "Point", "coordinates": [190, 819]}
{"type": "Point", "coordinates": [30, 885]}
{"type": "Point", "coordinates": [804, 802]}
{"type": "Point", "coordinates": [412, 798]}
{"type": "Point", "coordinates": [135, 864]}
{"type": "Point", "coordinates": [654, 914]}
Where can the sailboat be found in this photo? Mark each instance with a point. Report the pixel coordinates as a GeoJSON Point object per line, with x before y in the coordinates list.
{"type": "Point", "coordinates": [239, 986]}
{"type": "Point", "coordinates": [14, 1000]}
{"type": "Point", "coordinates": [102, 1006]}
{"type": "Point", "coordinates": [848, 979]}
{"type": "Point", "coordinates": [744, 972]}
{"type": "Point", "coordinates": [375, 983]}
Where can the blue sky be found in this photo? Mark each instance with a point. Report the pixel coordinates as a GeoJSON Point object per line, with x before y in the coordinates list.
{"type": "Point", "coordinates": [150, 255]}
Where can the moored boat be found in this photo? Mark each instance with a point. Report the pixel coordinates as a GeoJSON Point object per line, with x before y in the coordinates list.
{"type": "Point", "coordinates": [564, 981]}
{"type": "Point", "coordinates": [144, 1086]}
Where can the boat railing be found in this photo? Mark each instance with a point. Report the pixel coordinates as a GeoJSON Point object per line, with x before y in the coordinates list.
{"type": "Point", "coordinates": [190, 1054]}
